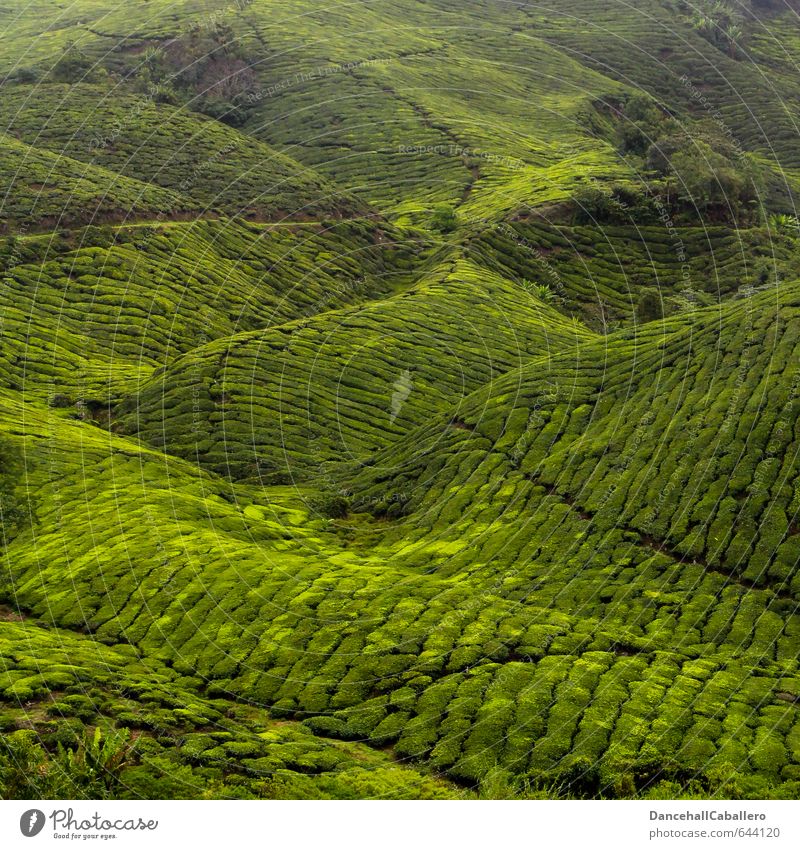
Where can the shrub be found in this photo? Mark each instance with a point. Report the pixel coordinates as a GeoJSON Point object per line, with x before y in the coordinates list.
{"type": "Point", "coordinates": [649, 307]}
{"type": "Point", "coordinates": [643, 122]}
{"type": "Point", "coordinates": [444, 218]}
{"type": "Point", "coordinates": [785, 225]}
{"type": "Point", "coordinates": [27, 75]}
{"type": "Point", "coordinates": [98, 760]}
{"type": "Point", "coordinates": [330, 505]}
{"type": "Point", "coordinates": [539, 290]}
{"type": "Point", "coordinates": [91, 770]}
{"type": "Point", "coordinates": [708, 179]}
{"type": "Point", "coordinates": [73, 66]}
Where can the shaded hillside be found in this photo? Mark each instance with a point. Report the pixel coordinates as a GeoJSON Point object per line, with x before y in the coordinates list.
{"type": "Point", "coordinates": [45, 190]}
{"type": "Point", "coordinates": [206, 164]}
{"type": "Point", "coordinates": [342, 384]}
{"type": "Point", "coordinates": [98, 310]}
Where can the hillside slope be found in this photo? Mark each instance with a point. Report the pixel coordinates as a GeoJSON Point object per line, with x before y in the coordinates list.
{"type": "Point", "coordinates": [208, 164]}
{"type": "Point", "coordinates": [518, 618]}
{"type": "Point", "coordinates": [89, 314]}
{"type": "Point", "coordinates": [341, 385]}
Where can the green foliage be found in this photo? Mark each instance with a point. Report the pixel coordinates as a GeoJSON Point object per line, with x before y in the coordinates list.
{"type": "Point", "coordinates": [26, 75]}
{"type": "Point", "coordinates": [642, 122]}
{"type": "Point", "coordinates": [374, 403]}
{"type": "Point", "coordinates": [98, 760]}
{"type": "Point", "coordinates": [786, 225]}
{"type": "Point", "coordinates": [707, 179]}
{"type": "Point", "coordinates": [92, 770]}
{"type": "Point", "coordinates": [331, 506]}
{"type": "Point", "coordinates": [649, 307]}
{"type": "Point", "coordinates": [540, 290]}
{"type": "Point", "coordinates": [616, 204]}
{"type": "Point", "coordinates": [12, 507]}
{"type": "Point", "coordinates": [721, 24]}
{"type": "Point", "coordinates": [206, 67]}
{"type": "Point", "coordinates": [73, 66]}
{"type": "Point", "coordinates": [444, 218]}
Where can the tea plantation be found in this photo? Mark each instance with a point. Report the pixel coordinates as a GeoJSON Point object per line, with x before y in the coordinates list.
{"type": "Point", "coordinates": [399, 401]}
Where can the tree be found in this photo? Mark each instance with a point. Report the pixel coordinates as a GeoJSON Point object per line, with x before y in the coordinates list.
{"type": "Point", "coordinates": [649, 307]}
{"type": "Point", "coordinates": [733, 35]}
{"type": "Point", "coordinates": [720, 25]}
{"type": "Point", "coordinates": [444, 218]}
{"type": "Point", "coordinates": [593, 203]}
{"type": "Point", "coordinates": [707, 179]}
{"type": "Point", "coordinates": [660, 153]}
{"type": "Point", "coordinates": [644, 121]}
{"type": "Point", "coordinates": [615, 202]}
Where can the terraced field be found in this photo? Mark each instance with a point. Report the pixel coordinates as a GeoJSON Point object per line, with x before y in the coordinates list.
{"type": "Point", "coordinates": [340, 385]}
{"type": "Point", "coordinates": [91, 312]}
{"type": "Point", "coordinates": [44, 190]}
{"type": "Point", "coordinates": [399, 401]}
{"type": "Point", "coordinates": [602, 277]}
{"type": "Point", "coordinates": [187, 747]}
{"type": "Point", "coordinates": [204, 163]}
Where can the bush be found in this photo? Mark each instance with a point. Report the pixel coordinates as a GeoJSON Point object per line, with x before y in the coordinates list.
{"type": "Point", "coordinates": [706, 177]}
{"type": "Point", "coordinates": [539, 290]}
{"type": "Point", "coordinates": [444, 218]}
{"type": "Point", "coordinates": [73, 66]}
{"type": "Point", "coordinates": [644, 121]}
{"type": "Point", "coordinates": [27, 75]}
{"type": "Point", "coordinates": [649, 307]}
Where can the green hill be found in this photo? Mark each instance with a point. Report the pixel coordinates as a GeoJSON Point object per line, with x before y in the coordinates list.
{"type": "Point", "coordinates": [344, 383]}
{"type": "Point", "coordinates": [156, 737]}
{"type": "Point", "coordinates": [206, 163]}
{"type": "Point", "coordinates": [45, 190]}
{"type": "Point", "coordinates": [92, 312]}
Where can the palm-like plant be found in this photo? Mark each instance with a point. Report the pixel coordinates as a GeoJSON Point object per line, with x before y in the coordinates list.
{"type": "Point", "coordinates": [704, 24]}
{"type": "Point", "coordinates": [733, 34]}
{"type": "Point", "coordinates": [540, 290]}
{"type": "Point", "coordinates": [98, 760]}
{"type": "Point", "coordinates": [785, 225]}
{"type": "Point", "coordinates": [719, 24]}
